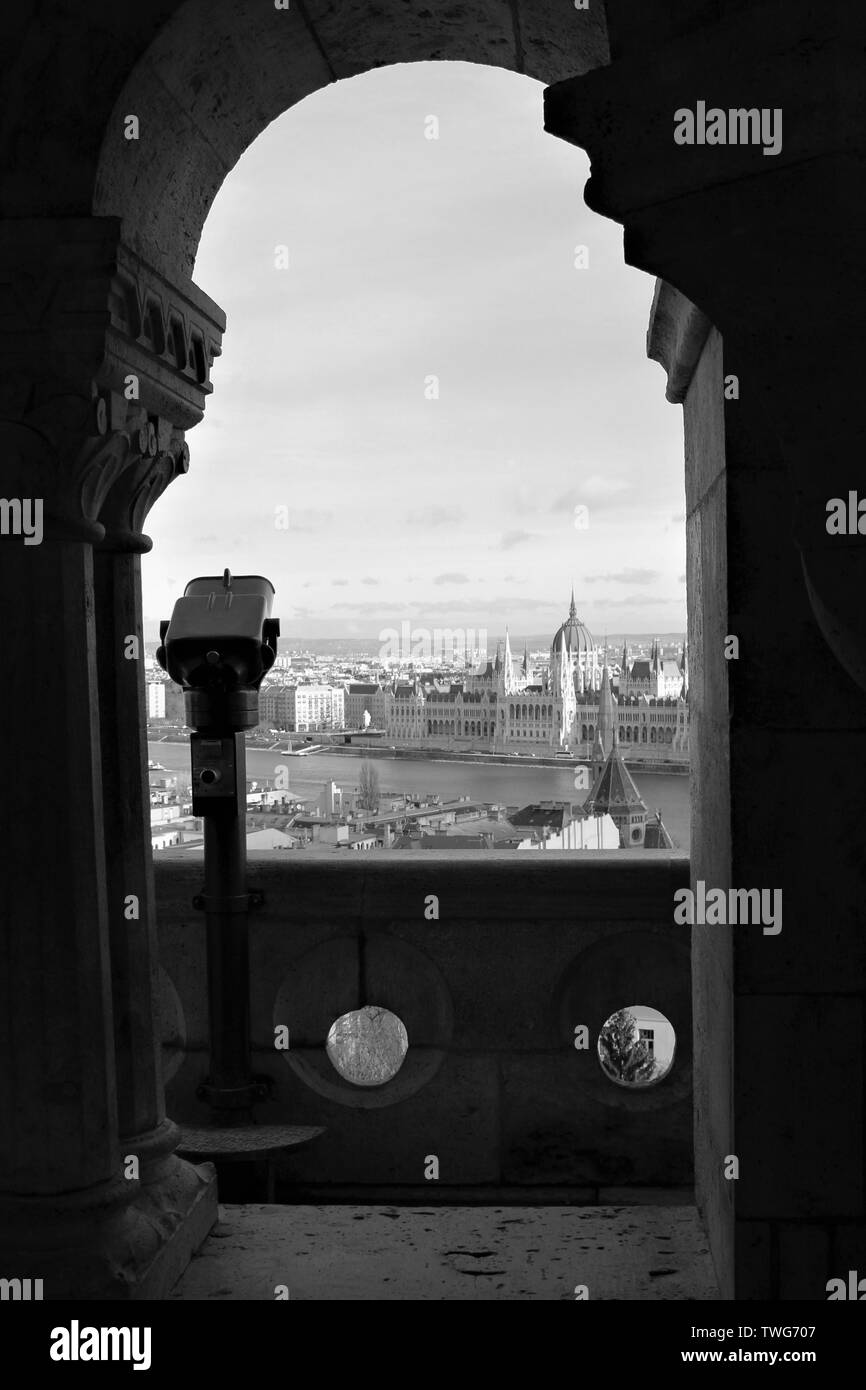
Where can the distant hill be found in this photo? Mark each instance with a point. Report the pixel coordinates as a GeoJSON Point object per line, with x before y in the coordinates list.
{"type": "Point", "coordinates": [371, 646]}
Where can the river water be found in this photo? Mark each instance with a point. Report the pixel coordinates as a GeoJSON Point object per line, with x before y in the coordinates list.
{"type": "Point", "coordinates": [507, 783]}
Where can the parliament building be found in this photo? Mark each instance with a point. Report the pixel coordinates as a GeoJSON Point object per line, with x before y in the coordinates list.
{"type": "Point", "coordinates": [506, 707]}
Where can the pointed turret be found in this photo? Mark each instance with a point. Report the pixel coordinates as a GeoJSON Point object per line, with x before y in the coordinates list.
{"type": "Point", "coordinates": [572, 611]}
{"type": "Point", "coordinates": [615, 794]}
{"type": "Point", "coordinates": [605, 724]}
{"type": "Point", "coordinates": [509, 667]}
{"type": "Point", "coordinates": [606, 717]}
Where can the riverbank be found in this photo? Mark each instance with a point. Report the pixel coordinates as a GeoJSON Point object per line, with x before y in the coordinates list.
{"type": "Point", "coordinates": [450, 755]}
{"type": "Point", "coordinates": [457, 755]}
{"type": "Point", "coordinates": [519, 783]}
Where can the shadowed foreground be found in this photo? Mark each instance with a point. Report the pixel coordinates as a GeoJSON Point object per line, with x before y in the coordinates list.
{"type": "Point", "coordinates": [452, 1253]}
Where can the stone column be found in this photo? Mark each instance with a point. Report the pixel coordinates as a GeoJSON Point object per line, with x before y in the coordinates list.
{"type": "Point", "coordinates": [768, 247]}
{"type": "Point", "coordinates": [60, 1175]}
{"type": "Point", "coordinates": [94, 350]}
{"type": "Point", "coordinates": [144, 1130]}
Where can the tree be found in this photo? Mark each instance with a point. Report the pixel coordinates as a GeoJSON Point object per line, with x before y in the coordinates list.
{"type": "Point", "coordinates": [624, 1055]}
{"type": "Point", "coordinates": [368, 788]}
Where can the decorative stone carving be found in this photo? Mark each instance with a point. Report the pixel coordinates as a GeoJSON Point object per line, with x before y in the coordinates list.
{"type": "Point", "coordinates": [135, 491]}
{"type": "Point", "coordinates": [103, 366]}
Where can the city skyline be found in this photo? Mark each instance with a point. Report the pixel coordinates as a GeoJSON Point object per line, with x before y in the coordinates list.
{"type": "Point", "coordinates": [367, 503]}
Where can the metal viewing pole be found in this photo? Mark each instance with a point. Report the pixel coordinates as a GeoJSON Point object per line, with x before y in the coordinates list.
{"type": "Point", "coordinates": [230, 1088]}
{"type": "Point", "coordinates": [219, 644]}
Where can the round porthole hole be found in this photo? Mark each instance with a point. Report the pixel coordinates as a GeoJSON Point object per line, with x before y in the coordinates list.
{"type": "Point", "coordinates": [636, 1046]}
{"type": "Point", "coordinates": [367, 1046]}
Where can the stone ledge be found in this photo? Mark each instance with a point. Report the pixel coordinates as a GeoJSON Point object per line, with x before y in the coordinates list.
{"type": "Point", "coordinates": [675, 338]}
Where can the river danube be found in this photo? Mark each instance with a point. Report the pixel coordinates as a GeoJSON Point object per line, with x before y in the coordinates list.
{"type": "Point", "coordinates": [507, 783]}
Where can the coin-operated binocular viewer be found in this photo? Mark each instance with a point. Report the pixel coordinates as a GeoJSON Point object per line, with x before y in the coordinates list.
{"type": "Point", "coordinates": [218, 645]}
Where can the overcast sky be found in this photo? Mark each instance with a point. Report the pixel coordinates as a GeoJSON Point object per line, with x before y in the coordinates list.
{"type": "Point", "coordinates": [410, 258]}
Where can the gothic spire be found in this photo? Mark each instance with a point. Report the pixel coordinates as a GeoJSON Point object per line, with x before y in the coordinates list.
{"type": "Point", "coordinates": [606, 727]}
{"type": "Point", "coordinates": [509, 667]}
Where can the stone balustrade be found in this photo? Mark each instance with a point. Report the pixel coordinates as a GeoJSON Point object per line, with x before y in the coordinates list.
{"type": "Point", "coordinates": [524, 951]}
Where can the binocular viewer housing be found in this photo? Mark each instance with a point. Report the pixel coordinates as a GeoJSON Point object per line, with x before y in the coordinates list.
{"type": "Point", "coordinates": [218, 645]}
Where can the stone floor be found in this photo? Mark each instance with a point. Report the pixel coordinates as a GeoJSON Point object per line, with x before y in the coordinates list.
{"type": "Point", "coordinates": [459, 1253]}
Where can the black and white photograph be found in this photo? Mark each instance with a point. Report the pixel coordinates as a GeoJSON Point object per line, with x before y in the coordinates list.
{"type": "Point", "coordinates": [433, 736]}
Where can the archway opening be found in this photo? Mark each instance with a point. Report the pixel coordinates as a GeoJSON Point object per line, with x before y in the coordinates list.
{"type": "Point", "coordinates": [429, 337]}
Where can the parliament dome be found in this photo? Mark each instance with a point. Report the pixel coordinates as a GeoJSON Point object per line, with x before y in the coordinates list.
{"type": "Point", "coordinates": [578, 638]}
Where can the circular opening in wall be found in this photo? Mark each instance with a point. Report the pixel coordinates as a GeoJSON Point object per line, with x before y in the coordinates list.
{"type": "Point", "coordinates": [367, 1046]}
{"type": "Point", "coordinates": [636, 1046]}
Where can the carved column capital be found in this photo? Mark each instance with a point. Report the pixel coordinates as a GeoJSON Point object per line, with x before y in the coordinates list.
{"type": "Point", "coordinates": [103, 366]}
{"type": "Point", "coordinates": [156, 462]}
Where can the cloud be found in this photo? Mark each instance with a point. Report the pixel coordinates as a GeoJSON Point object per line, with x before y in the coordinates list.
{"type": "Point", "coordinates": [597, 488]}
{"type": "Point", "coordinates": [522, 432]}
{"type": "Point", "coordinates": [452, 577]}
{"type": "Point", "coordinates": [434, 516]}
{"type": "Point", "coordinates": [368, 610]}
{"type": "Point", "coordinates": [642, 601]}
{"type": "Point", "coordinates": [340, 583]}
{"type": "Point", "coordinates": [626, 576]}
{"type": "Point", "coordinates": [308, 520]}
{"type": "Point", "coordinates": [433, 611]}
{"type": "Point", "coordinates": [513, 538]}
{"type": "Point", "coordinates": [368, 579]}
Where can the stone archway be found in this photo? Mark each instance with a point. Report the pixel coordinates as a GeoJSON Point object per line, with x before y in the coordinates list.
{"type": "Point", "coordinates": [217, 73]}
{"type": "Point", "coordinates": [95, 252]}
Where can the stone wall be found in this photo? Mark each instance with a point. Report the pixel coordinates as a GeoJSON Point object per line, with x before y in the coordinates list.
{"type": "Point", "coordinates": [490, 993]}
